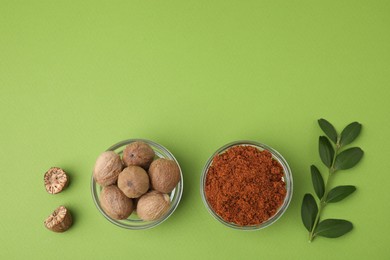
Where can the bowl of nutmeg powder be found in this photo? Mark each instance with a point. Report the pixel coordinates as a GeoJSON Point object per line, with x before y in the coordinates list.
{"type": "Point", "coordinates": [246, 185]}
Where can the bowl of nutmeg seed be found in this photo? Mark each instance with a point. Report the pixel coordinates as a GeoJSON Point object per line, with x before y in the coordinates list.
{"type": "Point", "coordinates": [136, 184]}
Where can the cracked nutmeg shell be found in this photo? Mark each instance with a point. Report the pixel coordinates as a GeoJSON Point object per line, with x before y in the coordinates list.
{"type": "Point", "coordinates": [59, 221]}
{"type": "Point", "coordinates": [55, 180]}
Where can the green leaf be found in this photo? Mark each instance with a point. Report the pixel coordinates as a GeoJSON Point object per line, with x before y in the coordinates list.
{"type": "Point", "coordinates": [318, 182]}
{"type": "Point", "coordinates": [328, 129]}
{"type": "Point", "coordinates": [326, 151]}
{"type": "Point", "coordinates": [339, 193]}
{"type": "Point", "coordinates": [350, 133]}
{"type": "Point", "coordinates": [348, 158]}
{"type": "Point", "coordinates": [309, 211]}
{"type": "Point", "coordinates": [333, 228]}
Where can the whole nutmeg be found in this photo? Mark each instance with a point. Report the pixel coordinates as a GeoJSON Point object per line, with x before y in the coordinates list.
{"type": "Point", "coordinates": [107, 168]}
{"type": "Point", "coordinates": [115, 203]}
{"type": "Point", "coordinates": [60, 220]}
{"type": "Point", "coordinates": [133, 181]}
{"type": "Point", "coordinates": [164, 175]}
{"type": "Point", "coordinates": [139, 154]}
{"type": "Point", "coordinates": [153, 205]}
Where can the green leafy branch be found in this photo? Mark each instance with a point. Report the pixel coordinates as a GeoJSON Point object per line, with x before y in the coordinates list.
{"type": "Point", "coordinates": [335, 159]}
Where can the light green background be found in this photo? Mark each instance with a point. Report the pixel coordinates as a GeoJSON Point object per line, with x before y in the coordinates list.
{"type": "Point", "coordinates": [78, 76]}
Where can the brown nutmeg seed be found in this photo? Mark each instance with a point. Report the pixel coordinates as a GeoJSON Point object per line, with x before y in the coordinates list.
{"type": "Point", "coordinates": [153, 205]}
{"type": "Point", "coordinates": [133, 181]}
{"type": "Point", "coordinates": [59, 221]}
{"type": "Point", "coordinates": [107, 168]}
{"type": "Point", "coordinates": [139, 154]}
{"type": "Point", "coordinates": [114, 203]}
{"type": "Point", "coordinates": [164, 175]}
{"type": "Point", "coordinates": [55, 180]}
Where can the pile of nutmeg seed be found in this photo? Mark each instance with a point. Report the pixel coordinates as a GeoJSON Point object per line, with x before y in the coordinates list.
{"type": "Point", "coordinates": [136, 182]}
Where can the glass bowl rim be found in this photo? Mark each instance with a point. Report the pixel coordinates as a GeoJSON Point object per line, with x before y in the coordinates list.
{"type": "Point", "coordinates": [287, 178]}
{"type": "Point", "coordinates": [178, 189]}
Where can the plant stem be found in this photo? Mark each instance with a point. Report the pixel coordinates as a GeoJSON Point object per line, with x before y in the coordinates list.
{"type": "Point", "coordinates": [323, 199]}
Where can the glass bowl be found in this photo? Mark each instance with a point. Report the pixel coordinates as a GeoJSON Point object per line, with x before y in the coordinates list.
{"type": "Point", "coordinates": [287, 178]}
{"type": "Point", "coordinates": [133, 222]}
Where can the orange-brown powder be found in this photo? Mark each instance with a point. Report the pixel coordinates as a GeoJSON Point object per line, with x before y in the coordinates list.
{"type": "Point", "coordinates": [244, 185]}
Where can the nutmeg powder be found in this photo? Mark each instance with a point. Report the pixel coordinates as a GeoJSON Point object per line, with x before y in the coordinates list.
{"type": "Point", "coordinates": [245, 185]}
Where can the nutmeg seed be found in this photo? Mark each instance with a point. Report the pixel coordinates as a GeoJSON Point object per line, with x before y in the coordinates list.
{"type": "Point", "coordinates": [139, 154]}
{"type": "Point", "coordinates": [153, 205]}
{"type": "Point", "coordinates": [114, 203]}
{"type": "Point", "coordinates": [133, 181]}
{"type": "Point", "coordinates": [55, 180]}
{"type": "Point", "coordinates": [60, 220]}
{"type": "Point", "coordinates": [164, 175]}
{"type": "Point", "coordinates": [107, 168]}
